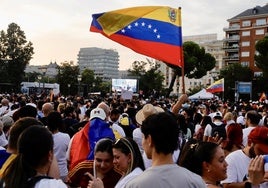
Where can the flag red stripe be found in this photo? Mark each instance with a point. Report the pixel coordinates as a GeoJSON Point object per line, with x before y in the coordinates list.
{"type": "Point", "coordinates": [160, 51]}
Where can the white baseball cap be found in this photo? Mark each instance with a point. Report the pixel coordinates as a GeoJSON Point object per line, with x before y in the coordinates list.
{"type": "Point", "coordinates": [97, 113]}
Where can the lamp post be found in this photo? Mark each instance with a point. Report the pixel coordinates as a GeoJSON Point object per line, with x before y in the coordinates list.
{"type": "Point", "coordinates": [79, 78]}
{"type": "Point", "coordinates": [39, 77]}
{"type": "Point", "coordinates": [43, 69]}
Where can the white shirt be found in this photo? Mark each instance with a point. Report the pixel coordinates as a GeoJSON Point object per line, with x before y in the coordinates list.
{"type": "Point", "coordinates": [246, 132]}
{"type": "Point", "coordinates": [50, 183]}
{"type": "Point", "coordinates": [123, 181]}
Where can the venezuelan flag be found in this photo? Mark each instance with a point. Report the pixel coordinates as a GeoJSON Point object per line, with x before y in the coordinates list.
{"type": "Point", "coordinates": [216, 87]}
{"type": "Point", "coordinates": [154, 31]}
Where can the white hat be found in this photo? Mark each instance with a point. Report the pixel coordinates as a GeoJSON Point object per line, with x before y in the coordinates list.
{"type": "Point", "coordinates": [97, 113]}
{"type": "Point", "coordinates": [147, 110]}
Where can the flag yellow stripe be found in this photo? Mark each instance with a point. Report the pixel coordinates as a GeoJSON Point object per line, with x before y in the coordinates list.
{"type": "Point", "coordinates": [114, 21]}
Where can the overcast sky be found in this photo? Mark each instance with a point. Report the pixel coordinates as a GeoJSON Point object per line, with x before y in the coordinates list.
{"type": "Point", "coordinates": [59, 28]}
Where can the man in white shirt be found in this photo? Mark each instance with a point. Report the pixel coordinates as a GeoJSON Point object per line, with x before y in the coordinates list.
{"type": "Point", "coordinates": [239, 160]}
{"type": "Point", "coordinates": [252, 119]}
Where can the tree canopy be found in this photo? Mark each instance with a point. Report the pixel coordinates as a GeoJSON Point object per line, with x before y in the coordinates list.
{"type": "Point", "coordinates": [231, 74]}
{"type": "Point", "coordinates": [261, 58]}
{"type": "Point", "coordinates": [196, 63]}
{"type": "Point", "coordinates": [15, 53]}
{"type": "Point", "coordinates": [149, 79]}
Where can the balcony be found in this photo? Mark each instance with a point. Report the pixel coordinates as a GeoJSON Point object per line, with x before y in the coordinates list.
{"type": "Point", "coordinates": [231, 28]}
{"type": "Point", "coordinates": [231, 58]}
{"type": "Point", "coordinates": [233, 48]}
{"type": "Point", "coordinates": [232, 38]}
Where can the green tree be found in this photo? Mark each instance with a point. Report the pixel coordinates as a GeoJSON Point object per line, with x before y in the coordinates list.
{"type": "Point", "coordinates": [261, 58]}
{"type": "Point", "coordinates": [231, 74]}
{"type": "Point", "coordinates": [31, 77]}
{"type": "Point", "coordinates": [196, 63]}
{"type": "Point", "coordinates": [15, 54]}
{"type": "Point", "coordinates": [150, 79]}
{"type": "Point", "coordinates": [67, 76]}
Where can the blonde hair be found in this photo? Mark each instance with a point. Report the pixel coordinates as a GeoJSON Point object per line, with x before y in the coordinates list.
{"type": "Point", "coordinates": [228, 116]}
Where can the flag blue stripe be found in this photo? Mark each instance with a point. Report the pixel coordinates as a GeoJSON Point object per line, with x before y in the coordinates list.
{"type": "Point", "coordinates": [149, 30]}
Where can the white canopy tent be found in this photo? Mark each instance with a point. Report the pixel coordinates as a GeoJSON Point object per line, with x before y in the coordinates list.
{"type": "Point", "coordinates": [202, 94]}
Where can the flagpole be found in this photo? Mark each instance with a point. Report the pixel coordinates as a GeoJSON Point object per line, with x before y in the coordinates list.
{"type": "Point", "coordinates": [181, 54]}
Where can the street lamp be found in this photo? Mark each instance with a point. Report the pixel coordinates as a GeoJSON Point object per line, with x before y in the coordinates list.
{"type": "Point", "coordinates": [39, 77]}
{"type": "Point", "coordinates": [43, 69]}
{"type": "Point", "coordinates": [79, 78]}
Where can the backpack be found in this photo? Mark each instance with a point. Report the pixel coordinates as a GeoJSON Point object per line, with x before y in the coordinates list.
{"type": "Point", "coordinates": [218, 129]}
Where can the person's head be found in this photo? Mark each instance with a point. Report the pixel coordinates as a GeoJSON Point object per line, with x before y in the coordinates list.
{"type": "Point", "coordinates": [206, 159]}
{"type": "Point", "coordinates": [61, 108]}
{"type": "Point", "coordinates": [252, 118]}
{"type": "Point", "coordinates": [115, 114]}
{"type": "Point", "coordinates": [35, 152]}
{"type": "Point", "coordinates": [217, 117]}
{"type": "Point", "coordinates": [27, 111]}
{"type": "Point", "coordinates": [17, 128]}
{"type": "Point", "coordinates": [47, 108]}
{"type": "Point", "coordinates": [69, 111]}
{"type": "Point", "coordinates": [197, 118]}
{"type": "Point", "coordinates": [228, 116]}
{"type": "Point", "coordinates": [206, 120]}
{"type": "Point", "coordinates": [4, 102]}
{"type": "Point", "coordinates": [234, 138]}
{"type": "Point", "coordinates": [258, 141]}
{"type": "Point", "coordinates": [160, 132]}
{"type": "Point", "coordinates": [103, 155]}
{"type": "Point", "coordinates": [54, 121]}
{"type": "Point", "coordinates": [127, 155]}
{"type": "Point", "coordinates": [147, 110]}
{"type": "Point", "coordinates": [97, 113]}
{"type": "Point", "coordinates": [105, 107]}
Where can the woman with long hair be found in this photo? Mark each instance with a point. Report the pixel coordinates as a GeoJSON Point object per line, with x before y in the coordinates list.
{"type": "Point", "coordinates": [206, 159]}
{"type": "Point", "coordinates": [127, 158]}
{"type": "Point", "coordinates": [32, 163]}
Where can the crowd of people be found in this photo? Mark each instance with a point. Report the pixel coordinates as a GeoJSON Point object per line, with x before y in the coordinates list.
{"type": "Point", "coordinates": [108, 142]}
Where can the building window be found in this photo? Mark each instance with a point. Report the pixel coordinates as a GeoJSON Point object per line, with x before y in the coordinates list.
{"type": "Point", "coordinates": [245, 43]}
{"type": "Point", "coordinates": [259, 32]}
{"type": "Point", "coordinates": [245, 54]}
{"type": "Point", "coordinates": [246, 23]}
{"type": "Point", "coordinates": [245, 63]}
{"type": "Point", "coordinates": [261, 22]}
{"type": "Point", "coordinates": [246, 33]}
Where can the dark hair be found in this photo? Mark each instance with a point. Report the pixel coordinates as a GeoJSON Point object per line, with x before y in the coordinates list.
{"type": "Point", "coordinates": [253, 116]}
{"type": "Point", "coordinates": [104, 145]}
{"type": "Point", "coordinates": [163, 129]}
{"type": "Point", "coordinates": [197, 118]}
{"type": "Point", "coordinates": [27, 111]}
{"type": "Point", "coordinates": [206, 120]}
{"type": "Point", "coordinates": [129, 146]}
{"type": "Point", "coordinates": [54, 121]}
{"type": "Point", "coordinates": [69, 110]}
{"type": "Point", "coordinates": [34, 146]}
{"type": "Point", "coordinates": [18, 127]}
{"type": "Point", "coordinates": [181, 122]}
{"type": "Point", "coordinates": [194, 153]}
